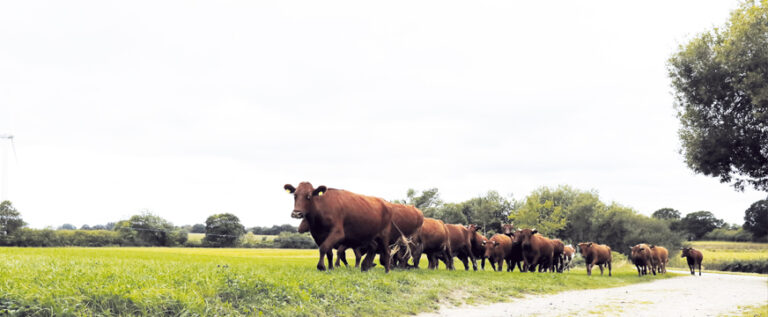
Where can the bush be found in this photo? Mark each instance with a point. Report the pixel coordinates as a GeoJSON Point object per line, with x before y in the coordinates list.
{"type": "Point", "coordinates": [65, 238]}
{"type": "Point", "coordinates": [288, 240]}
{"type": "Point", "coordinates": [722, 234]}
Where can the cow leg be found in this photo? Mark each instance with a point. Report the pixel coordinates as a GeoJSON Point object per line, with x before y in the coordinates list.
{"type": "Point", "coordinates": [601, 269]}
{"type": "Point", "coordinates": [327, 246]}
{"type": "Point", "coordinates": [463, 258]}
{"type": "Point", "coordinates": [448, 259]}
{"type": "Point", "coordinates": [493, 264]}
{"type": "Point", "coordinates": [699, 270]}
{"type": "Point", "coordinates": [609, 268]}
{"type": "Point", "coordinates": [358, 257]}
{"type": "Point", "coordinates": [341, 255]}
{"type": "Point", "coordinates": [471, 256]}
{"type": "Point", "coordinates": [589, 269]}
{"type": "Point", "coordinates": [384, 256]}
{"type": "Point", "coordinates": [639, 271]}
{"type": "Point", "coordinates": [500, 264]}
{"type": "Point", "coordinates": [510, 266]}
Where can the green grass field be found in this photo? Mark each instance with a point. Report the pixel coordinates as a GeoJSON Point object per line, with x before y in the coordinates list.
{"type": "Point", "coordinates": [194, 281]}
{"type": "Point", "coordinates": [728, 256]}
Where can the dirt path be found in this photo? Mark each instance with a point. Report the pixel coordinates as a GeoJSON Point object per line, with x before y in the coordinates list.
{"type": "Point", "coordinates": [706, 295]}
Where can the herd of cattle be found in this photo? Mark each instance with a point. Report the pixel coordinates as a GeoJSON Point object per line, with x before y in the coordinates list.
{"type": "Point", "coordinates": [339, 219]}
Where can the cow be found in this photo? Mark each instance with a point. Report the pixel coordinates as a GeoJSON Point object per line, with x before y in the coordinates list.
{"type": "Point", "coordinates": [536, 250]}
{"type": "Point", "coordinates": [641, 258]}
{"type": "Point", "coordinates": [659, 259]}
{"type": "Point", "coordinates": [341, 249]}
{"type": "Point", "coordinates": [694, 258]}
{"type": "Point", "coordinates": [557, 255]}
{"type": "Point", "coordinates": [337, 216]}
{"type": "Point", "coordinates": [461, 245]}
{"type": "Point", "coordinates": [508, 229]}
{"type": "Point", "coordinates": [478, 250]}
{"type": "Point", "coordinates": [406, 220]}
{"type": "Point", "coordinates": [433, 240]}
{"type": "Point", "coordinates": [596, 254]}
{"type": "Point", "coordinates": [498, 249]}
{"type": "Point", "coordinates": [568, 252]}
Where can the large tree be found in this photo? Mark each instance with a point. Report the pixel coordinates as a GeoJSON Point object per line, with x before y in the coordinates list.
{"type": "Point", "coordinates": [223, 230]}
{"type": "Point", "coordinates": [721, 91]}
{"type": "Point", "coordinates": [756, 218]}
{"type": "Point", "coordinates": [10, 220]}
{"type": "Point", "coordinates": [666, 214]}
{"type": "Point", "coordinates": [699, 223]}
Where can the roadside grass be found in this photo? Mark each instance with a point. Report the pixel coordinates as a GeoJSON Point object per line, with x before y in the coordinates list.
{"type": "Point", "coordinates": [751, 311]}
{"type": "Point", "coordinates": [275, 282]}
{"type": "Point", "coordinates": [727, 256]}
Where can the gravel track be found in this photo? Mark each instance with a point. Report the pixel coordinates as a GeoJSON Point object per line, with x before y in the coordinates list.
{"type": "Point", "coordinates": [707, 295]}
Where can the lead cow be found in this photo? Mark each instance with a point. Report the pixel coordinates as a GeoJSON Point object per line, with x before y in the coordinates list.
{"type": "Point", "coordinates": [694, 258]}
{"type": "Point", "coordinates": [339, 217]}
{"type": "Point", "coordinates": [596, 254]}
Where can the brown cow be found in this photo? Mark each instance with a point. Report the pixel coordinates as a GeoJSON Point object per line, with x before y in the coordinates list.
{"type": "Point", "coordinates": [694, 258]}
{"type": "Point", "coordinates": [406, 220]}
{"type": "Point", "coordinates": [596, 254]}
{"type": "Point", "coordinates": [557, 255]}
{"type": "Point", "coordinates": [641, 258]}
{"type": "Point", "coordinates": [508, 229]}
{"type": "Point", "coordinates": [433, 240]}
{"type": "Point", "coordinates": [498, 250]}
{"type": "Point", "coordinates": [568, 252]}
{"type": "Point", "coordinates": [536, 250]}
{"type": "Point", "coordinates": [478, 250]}
{"type": "Point", "coordinates": [461, 245]}
{"type": "Point", "coordinates": [338, 216]}
{"type": "Point", "coordinates": [341, 249]}
{"type": "Point", "coordinates": [659, 259]}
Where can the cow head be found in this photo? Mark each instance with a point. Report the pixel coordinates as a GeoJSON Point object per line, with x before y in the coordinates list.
{"type": "Point", "coordinates": [686, 252]}
{"type": "Point", "coordinates": [304, 198]}
{"type": "Point", "coordinates": [585, 247]}
{"type": "Point", "coordinates": [508, 229]}
{"type": "Point", "coordinates": [489, 245]}
{"type": "Point", "coordinates": [524, 236]}
{"type": "Point", "coordinates": [641, 251]}
{"type": "Point", "coordinates": [472, 228]}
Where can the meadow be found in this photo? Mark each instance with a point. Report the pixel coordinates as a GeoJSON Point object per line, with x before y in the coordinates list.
{"type": "Point", "coordinates": [727, 256]}
{"type": "Point", "coordinates": [248, 237]}
{"type": "Point", "coordinates": [275, 282]}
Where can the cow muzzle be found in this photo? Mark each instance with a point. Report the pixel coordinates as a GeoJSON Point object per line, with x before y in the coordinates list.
{"type": "Point", "coordinates": [297, 214]}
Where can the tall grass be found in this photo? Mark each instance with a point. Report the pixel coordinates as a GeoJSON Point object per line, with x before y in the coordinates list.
{"type": "Point", "coordinates": [191, 281]}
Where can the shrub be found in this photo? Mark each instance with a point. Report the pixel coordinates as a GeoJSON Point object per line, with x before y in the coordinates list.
{"type": "Point", "coordinates": [288, 240]}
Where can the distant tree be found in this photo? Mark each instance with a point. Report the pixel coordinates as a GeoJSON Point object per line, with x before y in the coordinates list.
{"type": "Point", "coordinates": [721, 93]}
{"type": "Point", "coordinates": [109, 226]}
{"type": "Point", "coordinates": [544, 209]}
{"type": "Point", "coordinates": [85, 227]}
{"type": "Point", "coordinates": [147, 229]}
{"type": "Point", "coordinates": [488, 211]}
{"type": "Point", "coordinates": [756, 218]}
{"type": "Point", "coordinates": [99, 227]}
{"type": "Point", "coordinates": [699, 223]}
{"type": "Point", "coordinates": [198, 228]}
{"type": "Point", "coordinates": [222, 230]}
{"type": "Point", "coordinates": [428, 200]}
{"type": "Point", "coordinates": [451, 213]}
{"type": "Point", "coordinates": [10, 220]}
{"type": "Point", "coordinates": [67, 226]}
{"type": "Point", "coordinates": [666, 214]}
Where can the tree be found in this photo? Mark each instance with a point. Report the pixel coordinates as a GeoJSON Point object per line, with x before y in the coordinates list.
{"type": "Point", "coordinates": [545, 209]}
{"type": "Point", "coordinates": [85, 227]}
{"type": "Point", "coordinates": [10, 220]}
{"type": "Point", "coordinates": [756, 218]}
{"type": "Point", "coordinates": [721, 96]}
{"type": "Point", "coordinates": [666, 214]}
{"type": "Point", "coordinates": [147, 229]}
{"type": "Point", "coordinates": [428, 201]}
{"type": "Point", "coordinates": [198, 228]}
{"type": "Point", "coordinates": [699, 223]}
{"type": "Point", "coordinates": [222, 230]}
{"type": "Point", "coordinates": [488, 211]}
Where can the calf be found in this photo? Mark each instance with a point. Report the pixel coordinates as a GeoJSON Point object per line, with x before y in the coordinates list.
{"type": "Point", "coordinates": [641, 258]}
{"type": "Point", "coordinates": [568, 252]}
{"type": "Point", "coordinates": [659, 259]}
{"type": "Point", "coordinates": [596, 254]}
{"type": "Point", "coordinates": [694, 258]}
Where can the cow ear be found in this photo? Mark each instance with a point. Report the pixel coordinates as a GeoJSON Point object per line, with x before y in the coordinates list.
{"type": "Point", "coordinates": [534, 231]}
{"type": "Point", "coordinates": [652, 246]}
{"type": "Point", "coordinates": [289, 188]}
{"type": "Point", "coordinates": [319, 191]}
{"type": "Point", "coordinates": [589, 244]}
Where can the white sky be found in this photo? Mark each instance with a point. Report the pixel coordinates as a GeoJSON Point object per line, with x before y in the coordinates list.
{"type": "Point", "coordinates": [189, 108]}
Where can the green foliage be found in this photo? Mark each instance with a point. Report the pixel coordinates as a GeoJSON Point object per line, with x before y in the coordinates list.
{"type": "Point", "coordinates": [428, 201]}
{"type": "Point", "coordinates": [544, 209]}
{"type": "Point", "coordinates": [235, 282]}
{"type": "Point", "coordinates": [222, 230]}
{"type": "Point", "coordinates": [10, 221]}
{"type": "Point", "coordinates": [147, 229]}
{"type": "Point", "coordinates": [197, 228]}
{"type": "Point", "coordinates": [697, 224]}
{"type": "Point", "coordinates": [66, 238]}
{"type": "Point", "coordinates": [67, 226]}
{"type": "Point", "coordinates": [292, 240]}
{"type": "Point", "coordinates": [721, 94]}
{"type": "Point", "coordinates": [451, 213]}
{"type": "Point", "coordinates": [756, 218]}
{"type": "Point", "coordinates": [274, 230]}
{"type": "Point", "coordinates": [489, 211]}
{"type": "Point", "coordinates": [724, 234]}
{"type": "Point", "coordinates": [666, 214]}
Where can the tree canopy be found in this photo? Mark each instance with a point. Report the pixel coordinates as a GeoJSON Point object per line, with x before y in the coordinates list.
{"type": "Point", "coordinates": [756, 218]}
{"type": "Point", "coordinates": [223, 230]}
{"type": "Point", "coordinates": [699, 223]}
{"type": "Point", "coordinates": [10, 220]}
{"type": "Point", "coordinates": [721, 93]}
{"type": "Point", "coordinates": [666, 214]}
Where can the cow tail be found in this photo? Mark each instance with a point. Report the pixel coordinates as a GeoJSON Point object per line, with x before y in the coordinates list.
{"type": "Point", "coordinates": [408, 253]}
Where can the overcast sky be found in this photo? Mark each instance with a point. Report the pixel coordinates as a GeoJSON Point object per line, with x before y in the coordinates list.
{"type": "Point", "coordinates": [189, 108]}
